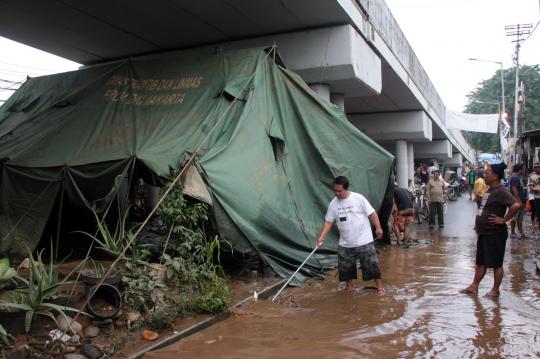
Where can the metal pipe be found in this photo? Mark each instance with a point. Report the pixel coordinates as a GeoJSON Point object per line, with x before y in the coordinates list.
{"type": "Point", "coordinates": [287, 282]}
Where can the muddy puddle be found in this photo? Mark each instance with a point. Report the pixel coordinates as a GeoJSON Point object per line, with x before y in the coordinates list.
{"type": "Point", "coordinates": [422, 314]}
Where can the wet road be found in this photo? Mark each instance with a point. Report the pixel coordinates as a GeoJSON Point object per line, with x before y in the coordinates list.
{"type": "Point", "coordinates": [421, 316]}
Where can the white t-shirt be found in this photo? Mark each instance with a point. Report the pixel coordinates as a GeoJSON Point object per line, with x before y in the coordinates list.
{"type": "Point", "coordinates": [351, 215]}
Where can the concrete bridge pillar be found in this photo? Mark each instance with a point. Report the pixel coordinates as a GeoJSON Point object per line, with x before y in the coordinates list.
{"type": "Point", "coordinates": [322, 90]}
{"type": "Point", "coordinates": [410, 161]}
{"type": "Point", "coordinates": [338, 99]}
{"type": "Point", "coordinates": [401, 163]}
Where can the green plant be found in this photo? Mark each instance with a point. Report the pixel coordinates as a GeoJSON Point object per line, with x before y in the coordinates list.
{"type": "Point", "coordinates": [140, 287]}
{"type": "Point", "coordinates": [5, 338]}
{"type": "Point", "coordinates": [192, 259]}
{"type": "Point", "coordinates": [111, 242]}
{"type": "Point", "coordinates": [162, 317]}
{"type": "Point", "coordinates": [207, 296]}
{"type": "Point", "coordinates": [215, 296]}
{"type": "Point", "coordinates": [7, 274]}
{"type": "Point", "coordinates": [42, 285]}
{"type": "Point", "coordinates": [97, 269]}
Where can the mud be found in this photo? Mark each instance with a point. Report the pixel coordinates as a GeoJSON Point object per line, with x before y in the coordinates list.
{"type": "Point", "coordinates": [422, 314]}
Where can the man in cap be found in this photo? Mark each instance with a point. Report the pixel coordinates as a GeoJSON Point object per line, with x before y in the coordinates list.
{"type": "Point", "coordinates": [436, 194]}
{"type": "Point", "coordinates": [491, 228]}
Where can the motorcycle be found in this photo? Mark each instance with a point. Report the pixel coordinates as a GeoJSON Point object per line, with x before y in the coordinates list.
{"type": "Point", "coordinates": [454, 190]}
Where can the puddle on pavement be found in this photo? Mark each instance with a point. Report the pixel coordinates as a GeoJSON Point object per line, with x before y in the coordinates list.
{"type": "Point", "coordinates": [422, 314]}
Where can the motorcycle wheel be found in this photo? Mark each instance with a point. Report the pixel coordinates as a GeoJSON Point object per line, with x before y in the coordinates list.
{"type": "Point", "coordinates": [452, 194]}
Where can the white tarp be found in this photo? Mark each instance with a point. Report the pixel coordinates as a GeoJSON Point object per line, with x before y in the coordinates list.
{"type": "Point", "coordinates": [485, 123]}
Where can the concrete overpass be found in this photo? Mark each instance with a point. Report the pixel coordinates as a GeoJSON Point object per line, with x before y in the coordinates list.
{"type": "Point", "coordinates": [351, 52]}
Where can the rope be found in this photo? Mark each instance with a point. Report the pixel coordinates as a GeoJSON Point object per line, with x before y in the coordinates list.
{"type": "Point", "coordinates": [171, 186]}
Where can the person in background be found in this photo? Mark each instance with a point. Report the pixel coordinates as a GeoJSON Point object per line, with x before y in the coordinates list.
{"type": "Point", "coordinates": [519, 192]}
{"type": "Point", "coordinates": [432, 168]}
{"type": "Point", "coordinates": [403, 214]}
{"type": "Point", "coordinates": [480, 187]}
{"type": "Point", "coordinates": [534, 187]}
{"type": "Point", "coordinates": [498, 207]}
{"type": "Point", "coordinates": [530, 199]}
{"type": "Point", "coordinates": [424, 174]}
{"type": "Point", "coordinates": [436, 194]}
{"type": "Point", "coordinates": [471, 178]}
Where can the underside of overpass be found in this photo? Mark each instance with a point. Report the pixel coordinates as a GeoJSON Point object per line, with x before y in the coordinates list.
{"type": "Point", "coordinates": [351, 52]}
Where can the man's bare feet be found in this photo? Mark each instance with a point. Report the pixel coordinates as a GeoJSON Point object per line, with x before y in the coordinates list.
{"type": "Point", "coordinates": [469, 290]}
{"type": "Point", "coordinates": [380, 291]}
{"type": "Point", "coordinates": [493, 294]}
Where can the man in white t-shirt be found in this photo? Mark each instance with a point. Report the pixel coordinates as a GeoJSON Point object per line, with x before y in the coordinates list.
{"type": "Point", "coordinates": [353, 215]}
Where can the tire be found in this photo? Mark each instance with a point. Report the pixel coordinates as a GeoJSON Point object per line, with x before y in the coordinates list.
{"type": "Point", "coordinates": [417, 212]}
{"type": "Point", "coordinates": [452, 196]}
{"type": "Point", "coordinates": [424, 213]}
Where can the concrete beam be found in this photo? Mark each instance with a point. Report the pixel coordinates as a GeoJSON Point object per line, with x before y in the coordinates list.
{"type": "Point", "coordinates": [337, 56]}
{"type": "Point", "coordinates": [455, 161]}
{"type": "Point", "coordinates": [410, 125]}
{"type": "Point", "coordinates": [441, 149]}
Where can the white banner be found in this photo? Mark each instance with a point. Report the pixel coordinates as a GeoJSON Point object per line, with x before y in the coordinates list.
{"type": "Point", "coordinates": [485, 123]}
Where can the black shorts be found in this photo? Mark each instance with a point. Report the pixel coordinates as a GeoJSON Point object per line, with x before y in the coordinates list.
{"type": "Point", "coordinates": [369, 263]}
{"type": "Point", "coordinates": [490, 249]}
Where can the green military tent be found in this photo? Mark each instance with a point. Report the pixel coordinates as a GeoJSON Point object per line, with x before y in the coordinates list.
{"type": "Point", "coordinates": [273, 147]}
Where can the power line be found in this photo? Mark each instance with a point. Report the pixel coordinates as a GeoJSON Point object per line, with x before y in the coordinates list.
{"type": "Point", "coordinates": [28, 67]}
{"type": "Point", "coordinates": [8, 71]}
{"type": "Point", "coordinates": [11, 88]}
{"type": "Point", "coordinates": [532, 32]}
{"type": "Point", "coordinates": [10, 81]}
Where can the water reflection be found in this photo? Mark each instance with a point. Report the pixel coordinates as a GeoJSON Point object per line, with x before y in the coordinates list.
{"type": "Point", "coordinates": [422, 315]}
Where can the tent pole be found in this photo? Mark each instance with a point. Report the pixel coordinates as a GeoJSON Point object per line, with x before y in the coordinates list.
{"type": "Point", "coordinates": [59, 224]}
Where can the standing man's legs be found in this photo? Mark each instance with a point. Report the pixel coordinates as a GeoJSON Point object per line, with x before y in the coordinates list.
{"type": "Point", "coordinates": [440, 214]}
{"type": "Point", "coordinates": [432, 208]}
{"type": "Point", "coordinates": [520, 224]}
{"type": "Point", "coordinates": [479, 274]}
{"type": "Point", "coordinates": [370, 265]}
{"type": "Point", "coordinates": [498, 274]}
{"type": "Point", "coordinates": [489, 254]}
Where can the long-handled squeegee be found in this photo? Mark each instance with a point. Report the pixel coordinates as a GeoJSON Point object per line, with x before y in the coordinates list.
{"type": "Point", "coordinates": [301, 265]}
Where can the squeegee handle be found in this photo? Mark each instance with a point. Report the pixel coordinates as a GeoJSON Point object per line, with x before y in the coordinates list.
{"type": "Point", "coordinates": [292, 276]}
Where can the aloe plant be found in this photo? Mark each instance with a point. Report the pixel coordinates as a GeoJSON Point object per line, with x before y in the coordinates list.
{"type": "Point", "coordinates": [4, 335]}
{"type": "Point", "coordinates": [42, 285]}
{"type": "Point", "coordinates": [7, 274]}
{"type": "Point", "coordinates": [111, 242]}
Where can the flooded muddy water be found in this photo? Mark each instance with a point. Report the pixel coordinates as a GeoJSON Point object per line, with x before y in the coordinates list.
{"type": "Point", "coordinates": [422, 314]}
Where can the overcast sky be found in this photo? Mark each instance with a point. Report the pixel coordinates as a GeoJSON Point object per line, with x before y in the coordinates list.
{"type": "Point", "coordinates": [442, 33]}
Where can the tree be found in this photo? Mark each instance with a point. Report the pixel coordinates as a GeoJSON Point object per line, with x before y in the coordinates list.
{"type": "Point", "coordinates": [487, 95]}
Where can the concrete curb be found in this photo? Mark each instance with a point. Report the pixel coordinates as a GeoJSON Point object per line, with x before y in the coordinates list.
{"type": "Point", "coordinates": [265, 293]}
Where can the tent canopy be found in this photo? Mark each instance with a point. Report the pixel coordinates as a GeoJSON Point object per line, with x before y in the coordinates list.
{"type": "Point", "coordinates": [269, 159]}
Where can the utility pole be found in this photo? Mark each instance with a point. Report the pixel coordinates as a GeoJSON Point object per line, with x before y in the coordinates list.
{"type": "Point", "coordinates": [517, 31]}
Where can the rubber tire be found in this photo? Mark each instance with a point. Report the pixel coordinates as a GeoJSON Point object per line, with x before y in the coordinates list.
{"type": "Point", "coordinates": [452, 194]}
